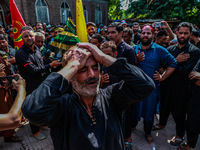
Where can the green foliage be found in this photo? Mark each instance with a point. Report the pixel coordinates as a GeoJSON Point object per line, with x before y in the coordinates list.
{"type": "Point", "coordinates": [187, 10]}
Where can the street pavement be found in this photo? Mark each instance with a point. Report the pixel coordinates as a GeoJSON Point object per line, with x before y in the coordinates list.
{"type": "Point", "coordinates": [139, 143]}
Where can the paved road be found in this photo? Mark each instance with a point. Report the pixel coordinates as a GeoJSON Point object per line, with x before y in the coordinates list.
{"type": "Point", "coordinates": [139, 142]}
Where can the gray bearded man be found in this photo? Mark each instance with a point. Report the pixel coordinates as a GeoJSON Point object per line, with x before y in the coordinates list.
{"type": "Point", "coordinates": [80, 115]}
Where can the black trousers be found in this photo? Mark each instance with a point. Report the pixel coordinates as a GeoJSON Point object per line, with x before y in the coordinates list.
{"type": "Point", "coordinates": [192, 138]}
{"type": "Point", "coordinates": [34, 129]}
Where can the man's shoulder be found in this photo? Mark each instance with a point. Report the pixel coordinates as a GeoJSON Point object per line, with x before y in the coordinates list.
{"type": "Point", "coordinates": [194, 50]}
{"type": "Point", "coordinates": [159, 47]}
{"type": "Point", "coordinates": [172, 47]}
{"type": "Point", "coordinates": [127, 46]}
{"type": "Point", "coordinates": [22, 51]}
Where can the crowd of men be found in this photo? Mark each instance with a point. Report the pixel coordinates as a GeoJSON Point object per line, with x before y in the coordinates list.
{"type": "Point", "coordinates": [144, 70]}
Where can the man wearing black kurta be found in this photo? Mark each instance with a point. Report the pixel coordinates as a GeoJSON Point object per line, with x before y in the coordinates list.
{"type": "Point", "coordinates": [175, 91]}
{"type": "Point", "coordinates": [86, 118]}
{"type": "Point", "coordinates": [193, 113]}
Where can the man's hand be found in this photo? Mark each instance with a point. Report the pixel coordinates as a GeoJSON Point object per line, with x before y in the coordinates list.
{"type": "Point", "coordinates": [165, 25]}
{"type": "Point", "coordinates": [77, 55]}
{"type": "Point", "coordinates": [2, 68]}
{"type": "Point", "coordinates": [20, 83]}
{"type": "Point", "coordinates": [105, 77]}
{"type": "Point", "coordinates": [194, 75]}
{"type": "Point", "coordinates": [99, 56]}
{"type": "Point", "coordinates": [12, 60]}
{"type": "Point", "coordinates": [182, 57]}
{"type": "Point", "coordinates": [140, 56]}
{"type": "Point", "coordinates": [157, 76]}
{"type": "Point", "coordinates": [73, 60]}
{"type": "Point", "coordinates": [55, 63]}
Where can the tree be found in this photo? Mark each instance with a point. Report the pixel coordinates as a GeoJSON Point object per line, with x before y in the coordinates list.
{"type": "Point", "coordinates": [187, 10]}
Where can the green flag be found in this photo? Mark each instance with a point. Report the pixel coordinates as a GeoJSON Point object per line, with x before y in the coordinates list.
{"type": "Point", "coordinates": [67, 38]}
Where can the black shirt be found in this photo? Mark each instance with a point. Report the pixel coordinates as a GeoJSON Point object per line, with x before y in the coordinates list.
{"type": "Point", "coordinates": [31, 67]}
{"type": "Point", "coordinates": [125, 50]}
{"type": "Point", "coordinates": [136, 39]}
{"type": "Point", "coordinates": [184, 68]}
{"type": "Point", "coordinates": [53, 104]}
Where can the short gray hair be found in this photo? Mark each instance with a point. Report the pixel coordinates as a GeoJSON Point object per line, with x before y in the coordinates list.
{"type": "Point", "coordinates": [40, 35]}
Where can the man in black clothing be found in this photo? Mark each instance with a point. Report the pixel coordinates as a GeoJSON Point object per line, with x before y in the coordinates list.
{"type": "Point", "coordinates": [136, 34]}
{"type": "Point", "coordinates": [193, 113]}
{"type": "Point", "coordinates": [31, 68]}
{"type": "Point", "coordinates": [195, 38]}
{"type": "Point", "coordinates": [86, 117]}
{"type": "Point", "coordinates": [115, 31]}
{"type": "Point", "coordinates": [175, 91]}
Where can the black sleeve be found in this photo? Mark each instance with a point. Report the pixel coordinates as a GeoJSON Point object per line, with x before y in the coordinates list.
{"type": "Point", "coordinates": [131, 56]}
{"type": "Point", "coordinates": [46, 104]}
{"type": "Point", "coordinates": [24, 61]}
{"type": "Point", "coordinates": [134, 87]}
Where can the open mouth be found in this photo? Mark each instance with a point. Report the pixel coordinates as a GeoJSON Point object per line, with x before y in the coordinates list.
{"type": "Point", "coordinates": [92, 83]}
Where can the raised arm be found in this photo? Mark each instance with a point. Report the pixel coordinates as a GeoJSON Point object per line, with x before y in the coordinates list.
{"type": "Point", "coordinates": [12, 119]}
{"type": "Point", "coordinates": [46, 105]}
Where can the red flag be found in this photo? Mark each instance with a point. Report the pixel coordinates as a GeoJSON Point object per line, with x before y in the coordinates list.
{"type": "Point", "coordinates": [18, 23]}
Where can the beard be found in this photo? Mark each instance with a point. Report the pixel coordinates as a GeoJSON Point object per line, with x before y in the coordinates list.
{"type": "Point", "coordinates": [83, 89]}
{"type": "Point", "coordinates": [184, 41]}
{"type": "Point", "coordinates": [146, 43]}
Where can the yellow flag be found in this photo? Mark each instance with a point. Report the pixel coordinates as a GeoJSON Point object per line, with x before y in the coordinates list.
{"type": "Point", "coordinates": [81, 29]}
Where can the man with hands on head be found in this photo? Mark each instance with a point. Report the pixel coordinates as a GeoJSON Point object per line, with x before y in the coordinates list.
{"type": "Point", "coordinates": [80, 115]}
{"type": "Point", "coordinates": [12, 119]}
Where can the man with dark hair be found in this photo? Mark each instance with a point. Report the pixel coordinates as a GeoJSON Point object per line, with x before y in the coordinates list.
{"type": "Point", "coordinates": [79, 113]}
{"type": "Point", "coordinates": [90, 28]}
{"type": "Point", "coordinates": [115, 31]}
{"type": "Point", "coordinates": [38, 25]}
{"type": "Point", "coordinates": [97, 39]}
{"type": "Point", "coordinates": [195, 38]}
{"type": "Point", "coordinates": [164, 38]}
{"type": "Point", "coordinates": [175, 92]}
{"type": "Point", "coordinates": [10, 53]}
{"type": "Point", "coordinates": [161, 38]}
{"type": "Point", "coordinates": [136, 33]}
{"type": "Point", "coordinates": [154, 55]}
{"type": "Point", "coordinates": [2, 30]}
{"type": "Point", "coordinates": [32, 68]}
{"type": "Point", "coordinates": [104, 33]}
{"type": "Point", "coordinates": [52, 35]}
{"type": "Point", "coordinates": [127, 36]}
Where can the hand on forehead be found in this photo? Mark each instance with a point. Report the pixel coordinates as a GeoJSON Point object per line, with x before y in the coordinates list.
{"type": "Point", "coordinates": [75, 53]}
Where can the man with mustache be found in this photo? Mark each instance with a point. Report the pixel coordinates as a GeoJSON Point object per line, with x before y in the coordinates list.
{"type": "Point", "coordinates": [80, 115]}
{"type": "Point", "coordinates": [175, 92]}
{"type": "Point", "coordinates": [153, 56]}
